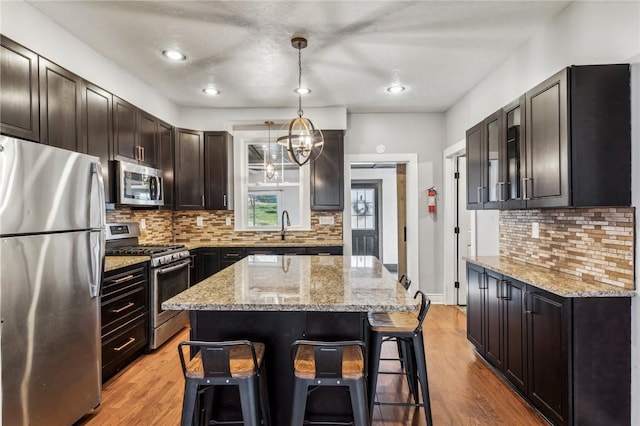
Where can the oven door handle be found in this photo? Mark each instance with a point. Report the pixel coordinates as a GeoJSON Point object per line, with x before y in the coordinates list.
{"type": "Point", "coordinates": [173, 268]}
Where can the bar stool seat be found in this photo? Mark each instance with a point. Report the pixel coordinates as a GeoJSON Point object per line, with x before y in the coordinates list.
{"type": "Point", "coordinates": [406, 329]}
{"type": "Point", "coordinates": [318, 364]}
{"type": "Point", "coordinates": [231, 363]}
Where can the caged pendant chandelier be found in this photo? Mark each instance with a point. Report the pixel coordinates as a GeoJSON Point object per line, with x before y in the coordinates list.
{"type": "Point", "coordinates": [269, 168]}
{"type": "Point", "coordinates": [304, 141]}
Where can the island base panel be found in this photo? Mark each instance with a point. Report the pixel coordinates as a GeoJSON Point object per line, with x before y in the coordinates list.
{"type": "Point", "coordinates": [278, 330]}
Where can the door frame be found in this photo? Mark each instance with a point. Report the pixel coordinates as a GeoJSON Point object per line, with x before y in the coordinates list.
{"type": "Point", "coordinates": [377, 185]}
{"type": "Point", "coordinates": [449, 157]}
{"type": "Point", "coordinates": [411, 160]}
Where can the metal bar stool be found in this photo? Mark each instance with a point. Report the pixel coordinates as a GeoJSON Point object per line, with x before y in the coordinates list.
{"type": "Point", "coordinates": [329, 364]}
{"type": "Point", "coordinates": [407, 329]}
{"type": "Point", "coordinates": [231, 363]}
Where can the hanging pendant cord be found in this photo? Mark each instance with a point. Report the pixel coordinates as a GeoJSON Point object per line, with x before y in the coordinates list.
{"type": "Point", "coordinates": [300, 112]}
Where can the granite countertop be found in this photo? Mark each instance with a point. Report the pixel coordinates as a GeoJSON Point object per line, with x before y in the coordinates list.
{"type": "Point", "coordinates": [117, 262]}
{"type": "Point", "coordinates": [275, 243]}
{"type": "Point", "coordinates": [298, 283]}
{"type": "Point", "coordinates": [555, 282]}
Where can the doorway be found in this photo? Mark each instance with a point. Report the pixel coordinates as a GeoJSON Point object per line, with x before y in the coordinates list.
{"type": "Point", "coordinates": [462, 230]}
{"type": "Point", "coordinates": [366, 213]}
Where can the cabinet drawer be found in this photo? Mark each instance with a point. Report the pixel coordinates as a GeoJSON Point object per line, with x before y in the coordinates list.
{"type": "Point", "coordinates": [123, 280]}
{"type": "Point", "coordinates": [325, 251]}
{"type": "Point", "coordinates": [122, 344]}
{"type": "Point", "coordinates": [117, 311]}
{"type": "Point", "coordinates": [231, 254]}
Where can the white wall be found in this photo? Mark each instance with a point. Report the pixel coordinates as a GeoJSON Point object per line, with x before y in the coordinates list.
{"type": "Point", "coordinates": [389, 217]}
{"type": "Point", "coordinates": [584, 33]}
{"type": "Point", "coordinates": [422, 134]}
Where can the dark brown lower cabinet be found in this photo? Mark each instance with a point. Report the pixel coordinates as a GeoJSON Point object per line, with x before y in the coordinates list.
{"type": "Point", "coordinates": [569, 357]}
{"type": "Point", "coordinates": [124, 317]}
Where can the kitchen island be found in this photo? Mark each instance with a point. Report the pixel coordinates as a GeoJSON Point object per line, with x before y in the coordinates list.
{"type": "Point", "coordinates": [279, 299]}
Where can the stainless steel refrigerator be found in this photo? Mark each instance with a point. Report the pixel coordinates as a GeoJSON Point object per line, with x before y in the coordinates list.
{"type": "Point", "coordinates": [52, 229]}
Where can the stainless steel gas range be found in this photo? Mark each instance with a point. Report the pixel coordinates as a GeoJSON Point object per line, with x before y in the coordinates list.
{"type": "Point", "coordinates": [168, 276]}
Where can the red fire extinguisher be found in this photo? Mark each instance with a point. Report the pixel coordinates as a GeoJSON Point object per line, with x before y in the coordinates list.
{"type": "Point", "coordinates": [431, 199]}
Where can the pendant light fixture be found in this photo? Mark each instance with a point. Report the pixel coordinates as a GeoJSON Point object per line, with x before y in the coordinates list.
{"type": "Point", "coordinates": [304, 141]}
{"type": "Point", "coordinates": [269, 167]}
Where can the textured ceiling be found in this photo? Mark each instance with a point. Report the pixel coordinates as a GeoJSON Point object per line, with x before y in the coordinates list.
{"type": "Point", "coordinates": [439, 50]}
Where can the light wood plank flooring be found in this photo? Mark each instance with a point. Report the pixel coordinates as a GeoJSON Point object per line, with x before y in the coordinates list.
{"type": "Point", "coordinates": [464, 391]}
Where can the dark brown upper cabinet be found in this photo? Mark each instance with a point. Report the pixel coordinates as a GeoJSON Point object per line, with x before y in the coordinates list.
{"type": "Point", "coordinates": [165, 160]}
{"type": "Point", "coordinates": [189, 170]}
{"type": "Point", "coordinates": [327, 173]}
{"type": "Point", "coordinates": [97, 130]}
{"type": "Point", "coordinates": [148, 138]}
{"type": "Point", "coordinates": [60, 106]}
{"type": "Point", "coordinates": [218, 171]}
{"type": "Point", "coordinates": [19, 103]}
{"type": "Point", "coordinates": [485, 186]}
{"type": "Point", "coordinates": [135, 134]}
{"type": "Point", "coordinates": [567, 144]}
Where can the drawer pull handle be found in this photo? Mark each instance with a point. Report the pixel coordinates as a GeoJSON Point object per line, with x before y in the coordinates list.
{"type": "Point", "coordinates": [119, 280]}
{"type": "Point", "coordinates": [130, 341]}
{"type": "Point", "coordinates": [124, 308]}
{"type": "Point", "coordinates": [232, 254]}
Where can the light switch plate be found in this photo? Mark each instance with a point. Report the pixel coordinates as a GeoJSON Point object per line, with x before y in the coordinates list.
{"type": "Point", "coordinates": [326, 220]}
{"type": "Point", "coordinates": [535, 230]}
{"type": "Point", "coordinates": [143, 224]}
{"type": "Point", "coordinates": [228, 221]}
{"type": "Point", "coordinates": [199, 221]}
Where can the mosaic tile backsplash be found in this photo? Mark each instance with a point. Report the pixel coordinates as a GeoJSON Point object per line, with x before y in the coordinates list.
{"type": "Point", "coordinates": [594, 244]}
{"type": "Point", "coordinates": [165, 226]}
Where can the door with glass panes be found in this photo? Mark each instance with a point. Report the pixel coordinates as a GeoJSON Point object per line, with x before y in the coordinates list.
{"type": "Point", "coordinates": [365, 218]}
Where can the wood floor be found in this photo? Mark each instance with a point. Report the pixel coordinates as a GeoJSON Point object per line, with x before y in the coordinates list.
{"type": "Point", "coordinates": [464, 391]}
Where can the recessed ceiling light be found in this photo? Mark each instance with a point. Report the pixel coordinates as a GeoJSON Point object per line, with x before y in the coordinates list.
{"type": "Point", "coordinates": [395, 89]}
{"type": "Point", "coordinates": [303, 91]}
{"type": "Point", "coordinates": [212, 91]}
{"type": "Point", "coordinates": [174, 55]}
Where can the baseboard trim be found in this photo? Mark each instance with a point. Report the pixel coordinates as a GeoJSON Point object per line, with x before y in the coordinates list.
{"type": "Point", "coordinates": [436, 299]}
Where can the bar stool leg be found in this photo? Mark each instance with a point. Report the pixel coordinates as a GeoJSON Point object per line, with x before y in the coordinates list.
{"type": "Point", "coordinates": [300, 389]}
{"type": "Point", "coordinates": [359, 402]}
{"type": "Point", "coordinates": [374, 364]}
{"type": "Point", "coordinates": [421, 364]}
{"type": "Point", "coordinates": [264, 398]}
{"type": "Point", "coordinates": [189, 402]}
{"type": "Point", "coordinates": [249, 401]}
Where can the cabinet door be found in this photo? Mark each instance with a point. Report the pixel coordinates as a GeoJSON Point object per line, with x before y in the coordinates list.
{"type": "Point", "coordinates": [514, 334]}
{"type": "Point", "coordinates": [547, 180]}
{"type": "Point", "coordinates": [148, 139]}
{"type": "Point", "coordinates": [125, 123]}
{"type": "Point", "coordinates": [475, 167]}
{"type": "Point", "coordinates": [165, 160]}
{"type": "Point", "coordinates": [476, 289]}
{"type": "Point", "coordinates": [548, 349]}
{"type": "Point", "coordinates": [19, 103]}
{"type": "Point", "coordinates": [514, 154]}
{"type": "Point", "coordinates": [97, 130]}
{"type": "Point", "coordinates": [195, 272]}
{"type": "Point", "coordinates": [493, 319]}
{"type": "Point", "coordinates": [218, 169]}
{"type": "Point", "coordinates": [60, 99]}
{"type": "Point", "coordinates": [189, 162]}
{"type": "Point", "coordinates": [493, 191]}
{"type": "Point", "coordinates": [327, 174]}
{"type": "Point", "coordinates": [210, 262]}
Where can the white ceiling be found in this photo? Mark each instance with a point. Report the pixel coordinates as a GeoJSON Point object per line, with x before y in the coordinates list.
{"type": "Point", "coordinates": [438, 49]}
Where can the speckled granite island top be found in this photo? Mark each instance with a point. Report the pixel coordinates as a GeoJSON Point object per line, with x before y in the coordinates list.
{"type": "Point", "coordinates": [116, 262]}
{"type": "Point", "coordinates": [298, 283]}
{"type": "Point", "coordinates": [559, 283]}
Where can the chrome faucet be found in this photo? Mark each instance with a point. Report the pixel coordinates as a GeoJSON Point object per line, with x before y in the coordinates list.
{"type": "Point", "coordinates": [284, 230]}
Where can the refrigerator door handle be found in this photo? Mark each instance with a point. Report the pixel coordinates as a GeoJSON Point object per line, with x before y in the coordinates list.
{"type": "Point", "coordinates": [96, 248]}
{"type": "Point", "coordinates": [96, 172]}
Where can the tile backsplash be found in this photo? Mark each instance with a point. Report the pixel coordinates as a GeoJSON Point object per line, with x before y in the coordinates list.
{"type": "Point", "coordinates": [165, 226]}
{"type": "Point", "coordinates": [595, 244]}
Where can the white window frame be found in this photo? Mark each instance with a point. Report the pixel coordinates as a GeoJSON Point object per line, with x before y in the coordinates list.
{"type": "Point", "coordinates": [241, 141]}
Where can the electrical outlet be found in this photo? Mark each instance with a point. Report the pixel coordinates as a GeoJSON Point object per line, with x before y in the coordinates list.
{"type": "Point", "coordinates": [326, 220]}
{"type": "Point", "coordinates": [199, 221]}
{"type": "Point", "coordinates": [228, 221]}
{"type": "Point", "coordinates": [143, 224]}
{"type": "Point", "coordinates": [535, 230]}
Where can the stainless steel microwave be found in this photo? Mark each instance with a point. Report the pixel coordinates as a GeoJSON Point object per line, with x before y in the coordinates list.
{"type": "Point", "coordinates": [138, 185]}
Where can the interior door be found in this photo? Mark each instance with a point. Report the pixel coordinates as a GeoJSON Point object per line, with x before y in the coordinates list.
{"type": "Point", "coordinates": [463, 234]}
{"type": "Point", "coordinates": [365, 218]}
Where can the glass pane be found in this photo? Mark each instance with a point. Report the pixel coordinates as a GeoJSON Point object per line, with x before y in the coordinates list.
{"type": "Point", "coordinates": [361, 223]}
{"type": "Point", "coordinates": [354, 222]}
{"type": "Point", "coordinates": [369, 222]}
{"type": "Point", "coordinates": [494, 167]}
{"type": "Point", "coordinates": [262, 209]}
{"type": "Point", "coordinates": [513, 154]}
